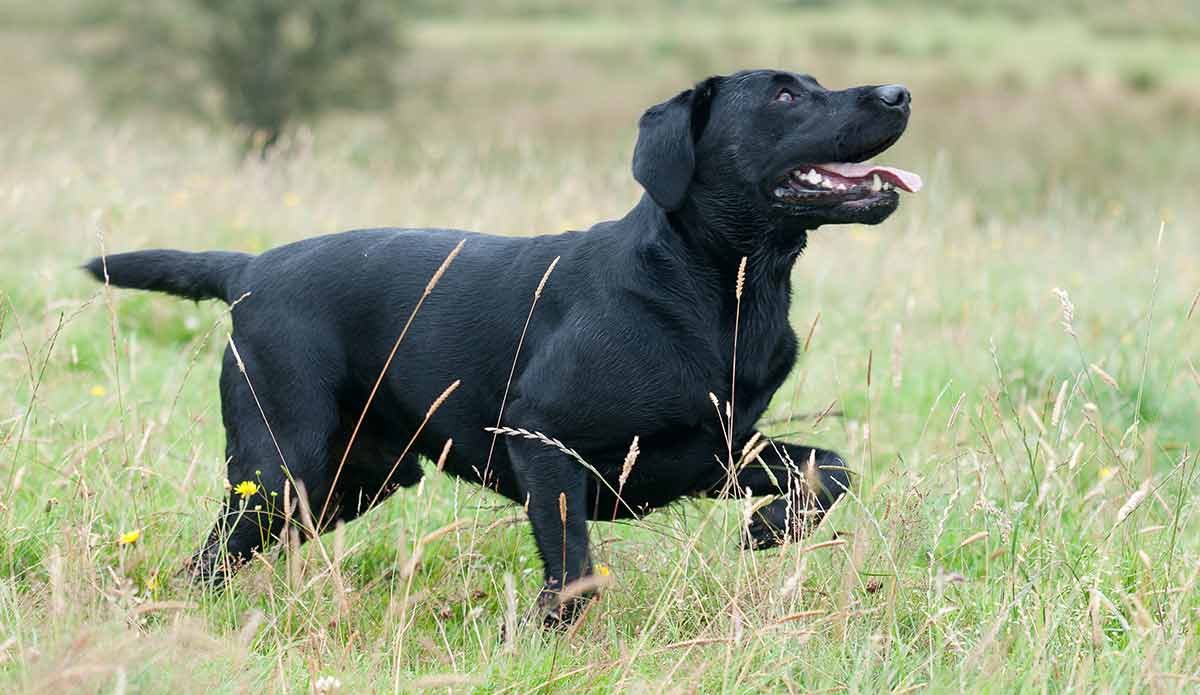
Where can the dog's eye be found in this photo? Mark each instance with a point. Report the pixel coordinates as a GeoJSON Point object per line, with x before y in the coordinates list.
{"type": "Point", "coordinates": [785, 96]}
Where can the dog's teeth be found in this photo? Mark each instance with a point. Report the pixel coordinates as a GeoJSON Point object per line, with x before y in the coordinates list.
{"type": "Point", "coordinates": [780, 192]}
{"type": "Point", "coordinates": [875, 183]}
{"type": "Point", "coordinates": [887, 186]}
{"type": "Point", "coordinates": [841, 186]}
{"type": "Point", "coordinates": [826, 183]}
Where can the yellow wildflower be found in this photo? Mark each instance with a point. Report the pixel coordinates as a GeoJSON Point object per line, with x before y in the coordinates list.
{"type": "Point", "coordinates": [98, 391]}
{"type": "Point", "coordinates": [246, 488]}
{"type": "Point", "coordinates": [129, 537]}
{"type": "Point", "coordinates": [602, 569]}
{"type": "Point", "coordinates": [1106, 473]}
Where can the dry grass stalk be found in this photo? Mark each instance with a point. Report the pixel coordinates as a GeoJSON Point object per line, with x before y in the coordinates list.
{"type": "Point", "coordinates": [835, 543]}
{"type": "Point", "coordinates": [437, 403]}
{"type": "Point", "coordinates": [954, 411]}
{"type": "Point", "coordinates": [538, 436]}
{"type": "Point", "coordinates": [441, 459]}
{"type": "Point", "coordinates": [537, 294]}
{"type": "Point", "coordinates": [627, 466]}
{"type": "Point", "coordinates": [441, 270]}
{"type": "Point", "coordinates": [729, 405]}
{"type": "Point", "coordinates": [1056, 413]}
{"type": "Point", "coordinates": [1105, 376]}
{"type": "Point", "coordinates": [555, 443]}
{"type": "Point", "coordinates": [812, 328]}
{"type": "Point", "coordinates": [973, 538]}
{"type": "Point", "coordinates": [237, 357]}
{"type": "Point", "coordinates": [1068, 311]}
{"type": "Point", "coordinates": [1132, 503]}
{"type": "Point", "coordinates": [512, 370]}
{"type": "Point", "coordinates": [1073, 461]}
{"type": "Point", "coordinates": [584, 586]}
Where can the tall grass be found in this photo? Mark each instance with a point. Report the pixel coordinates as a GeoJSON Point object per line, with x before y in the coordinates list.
{"type": "Point", "coordinates": [1009, 364]}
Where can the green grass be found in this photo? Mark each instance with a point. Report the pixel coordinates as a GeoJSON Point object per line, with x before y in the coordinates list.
{"type": "Point", "coordinates": [985, 548]}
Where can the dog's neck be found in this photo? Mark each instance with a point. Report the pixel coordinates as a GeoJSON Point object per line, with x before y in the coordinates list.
{"type": "Point", "coordinates": [700, 238]}
{"type": "Point", "coordinates": [719, 235]}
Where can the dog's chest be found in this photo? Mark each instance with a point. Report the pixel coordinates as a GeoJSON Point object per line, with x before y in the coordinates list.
{"type": "Point", "coordinates": [766, 352]}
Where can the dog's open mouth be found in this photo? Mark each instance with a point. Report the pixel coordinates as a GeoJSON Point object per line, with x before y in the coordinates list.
{"type": "Point", "coordinates": [844, 182]}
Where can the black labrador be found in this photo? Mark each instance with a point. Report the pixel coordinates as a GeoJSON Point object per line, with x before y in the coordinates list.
{"type": "Point", "coordinates": [632, 333]}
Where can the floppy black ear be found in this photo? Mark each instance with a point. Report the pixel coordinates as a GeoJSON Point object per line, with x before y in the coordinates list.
{"type": "Point", "coordinates": [665, 155]}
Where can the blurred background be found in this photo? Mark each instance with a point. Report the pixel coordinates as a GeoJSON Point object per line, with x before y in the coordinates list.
{"type": "Point", "coordinates": [1031, 104]}
{"type": "Point", "coordinates": [1029, 318]}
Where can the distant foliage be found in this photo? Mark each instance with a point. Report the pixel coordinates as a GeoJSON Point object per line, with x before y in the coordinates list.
{"type": "Point", "coordinates": [259, 64]}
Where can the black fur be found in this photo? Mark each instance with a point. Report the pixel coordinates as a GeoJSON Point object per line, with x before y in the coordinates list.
{"type": "Point", "coordinates": [197, 276]}
{"type": "Point", "coordinates": [633, 332]}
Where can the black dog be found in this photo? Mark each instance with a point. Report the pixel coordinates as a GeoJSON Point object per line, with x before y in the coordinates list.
{"type": "Point", "coordinates": [633, 332]}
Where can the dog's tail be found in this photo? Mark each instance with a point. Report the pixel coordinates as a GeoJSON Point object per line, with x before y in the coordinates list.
{"type": "Point", "coordinates": [206, 275]}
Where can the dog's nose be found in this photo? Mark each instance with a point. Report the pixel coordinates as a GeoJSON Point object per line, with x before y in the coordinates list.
{"type": "Point", "coordinates": [894, 95]}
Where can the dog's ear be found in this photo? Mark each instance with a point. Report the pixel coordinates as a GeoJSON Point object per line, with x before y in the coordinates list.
{"type": "Point", "coordinates": [665, 155]}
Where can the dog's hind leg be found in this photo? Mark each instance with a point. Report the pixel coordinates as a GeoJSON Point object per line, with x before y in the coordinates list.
{"type": "Point", "coordinates": [277, 436]}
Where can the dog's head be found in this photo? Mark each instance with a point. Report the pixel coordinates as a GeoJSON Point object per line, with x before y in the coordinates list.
{"type": "Point", "coordinates": [774, 150]}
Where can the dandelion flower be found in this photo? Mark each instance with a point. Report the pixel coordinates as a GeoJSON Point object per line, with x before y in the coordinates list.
{"type": "Point", "coordinates": [98, 391]}
{"type": "Point", "coordinates": [602, 569]}
{"type": "Point", "coordinates": [129, 537]}
{"type": "Point", "coordinates": [246, 488]}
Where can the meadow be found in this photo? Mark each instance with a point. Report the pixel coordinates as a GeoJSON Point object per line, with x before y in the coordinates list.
{"type": "Point", "coordinates": [1011, 365]}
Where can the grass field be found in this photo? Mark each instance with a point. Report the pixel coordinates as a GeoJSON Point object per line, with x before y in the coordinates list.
{"type": "Point", "coordinates": [1011, 364]}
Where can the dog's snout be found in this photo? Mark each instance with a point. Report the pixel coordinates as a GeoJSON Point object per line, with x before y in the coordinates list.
{"type": "Point", "coordinates": [893, 95]}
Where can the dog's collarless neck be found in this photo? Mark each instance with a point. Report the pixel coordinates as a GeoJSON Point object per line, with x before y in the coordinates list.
{"type": "Point", "coordinates": [709, 252]}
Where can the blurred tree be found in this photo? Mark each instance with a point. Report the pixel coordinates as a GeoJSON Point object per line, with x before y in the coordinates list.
{"type": "Point", "coordinates": [260, 64]}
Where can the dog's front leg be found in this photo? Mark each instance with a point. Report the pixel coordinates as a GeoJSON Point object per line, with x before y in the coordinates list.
{"type": "Point", "coordinates": [807, 481]}
{"type": "Point", "coordinates": [555, 488]}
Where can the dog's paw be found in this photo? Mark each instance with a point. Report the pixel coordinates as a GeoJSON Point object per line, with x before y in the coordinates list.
{"type": "Point", "coordinates": [559, 612]}
{"type": "Point", "coordinates": [760, 534]}
{"type": "Point", "coordinates": [780, 522]}
{"type": "Point", "coordinates": [211, 568]}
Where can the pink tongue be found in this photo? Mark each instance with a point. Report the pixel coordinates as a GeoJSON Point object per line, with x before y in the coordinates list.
{"type": "Point", "coordinates": [903, 179]}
